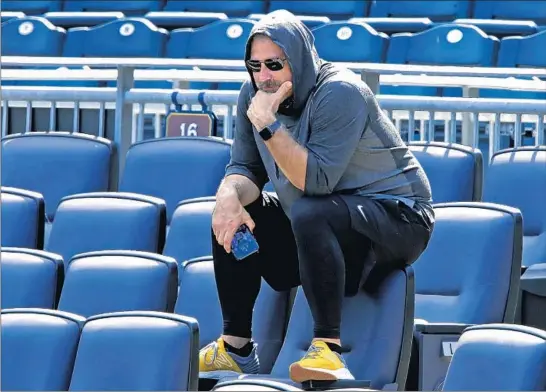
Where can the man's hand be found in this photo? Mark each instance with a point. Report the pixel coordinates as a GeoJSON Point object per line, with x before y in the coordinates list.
{"type": "Point", "coordinates": [264, 106]}
{"type": "Point", "coordinates": [229, 214]}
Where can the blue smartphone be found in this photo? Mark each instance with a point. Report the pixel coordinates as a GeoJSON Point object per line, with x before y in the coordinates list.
{"type": "Point", "coordinates": [243, 244]}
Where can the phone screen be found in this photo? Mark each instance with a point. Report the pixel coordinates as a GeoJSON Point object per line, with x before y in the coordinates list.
{"type": "Point", "coordinates": [244, 244]}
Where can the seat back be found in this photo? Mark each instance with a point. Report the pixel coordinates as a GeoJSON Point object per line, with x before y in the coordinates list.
{"type": "Point", "coordinates": [447, 44]}
{"type": "Point", "coordinates": [510, 10]}
{"type": "Point", "coordinates": [139, 7]}
{"type": "Point", "coordinates": [239, 8]}
{"type": "Point", "coordinates": [108, 221]}
{"type": "Point", "coordinates": [151, 351]}
{"type": "Point", "coordinates": [115, 281]}
{"type": "Point", "coordinates": [56, 164]}
{"type": "Point", "coordinates": [31, 7]}
{"type": "Point", "coordinates": [455, 172]}
{"type": "Point", "coordinates": [515, 177]}
{"type": "Point", "coordinates": [23, 218]}
{"type": "Point", "coordinates": [176, 169]}
{"type": "Point", "coordinates": [340, 10]}
{"type": "Point", "coordinates": [521, 51]}
{"type": "Point", "coordinates": [30, 278]}
{"type": "Point", "coordinates": [469, 272]}
{"type": "Point", "coordinates": [445, 10]}
{"type": "Point", "coordinates": [190, 231]}
{"type": "Point", "coordinates": [498, 357]}
{"type": "Point", "coordinates": [351, 42]}
{"type": "Point", "coordinates": [124, 37]}
{"type": "Point", "coordinates": [32, 36]}
{"type": "Point", "coordinates": [38, 349]}
{"type": "Point", "coordinates": [198, 297]}
{"type": "Point", "coordinates": [376, 332]}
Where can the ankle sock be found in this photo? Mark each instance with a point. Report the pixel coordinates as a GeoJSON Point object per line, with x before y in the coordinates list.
{"type": "Point", "coordinates": [334, 347]}
{"type": "Point", "coordinates": [244, 351]}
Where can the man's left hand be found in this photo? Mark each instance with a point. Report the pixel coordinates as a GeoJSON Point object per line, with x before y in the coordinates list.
{"type": "Point", "coordinates": [264, 106]}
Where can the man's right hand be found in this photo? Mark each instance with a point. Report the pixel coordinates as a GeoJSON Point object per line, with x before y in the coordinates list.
{"type": "Point", "coordinates": [229, 214]}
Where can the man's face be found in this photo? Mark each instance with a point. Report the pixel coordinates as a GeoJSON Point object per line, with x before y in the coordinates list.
{"type": "Point", "coordinates": [268, 64]}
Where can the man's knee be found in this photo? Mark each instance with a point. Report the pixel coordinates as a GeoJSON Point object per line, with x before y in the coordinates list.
{"type": "Point", "coordinates": [309, 212]}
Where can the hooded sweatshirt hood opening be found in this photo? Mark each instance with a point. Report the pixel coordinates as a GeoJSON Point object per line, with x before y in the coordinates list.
{"type": "Point", "coordinates": [298, 44]}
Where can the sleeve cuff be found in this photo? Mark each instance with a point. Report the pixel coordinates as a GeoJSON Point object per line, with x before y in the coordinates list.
{"type": "Point", "coordinates": [243, 171]}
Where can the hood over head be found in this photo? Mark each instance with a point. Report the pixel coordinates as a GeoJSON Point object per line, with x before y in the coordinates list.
{"type": "Point", "coordinates": [298, 44]}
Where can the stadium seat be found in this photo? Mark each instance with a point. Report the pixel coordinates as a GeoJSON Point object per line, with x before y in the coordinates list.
{"type": "Point", "coordinates": [8, 15]}
{"type": "Point", "coordinates": [125, 37]}
{"type": "Point", "coordinates": [56, 164]}
{"type": "Point", "coordinates": [498, 357]}
{"type": "Point", "coordinates": [376, 333]}
{"type": "Point", "coordinates": [239, 8]}
{"type": "Point", "coordinates": [198, 297]}
{"type": "Point", "coordinates": [38, 349]}
{"type": "Point", "coordinates": [116, 281]}
{"type": "Point", "coordinates": [139, 7]}
{"type": "Point", "coordinates": [511, 10]}
{"type": "Point", "coordinates": [179, 19]}
{"type": "Point", "coordinates": [31, 7]}
{"type": "Point", "coordinates": [82, 19]}
{"type": "Point", "coordinates": [445, 10]}
{"type": "Point", "coordinates": [396, 25]}
{"type": "Point", "coordinates": [146, 351]}
{"type": "Point", "coordinates": [469, 274]}
{"type": "Point", "coordinates": [108, 221]}
{"type": "Point", "coordinates": [501, 28]}
{"type": "Point", "coordinates": [310, 21]}
{"type": "Point", "coordinates": [30, 278]}
{"type": "Point", "coordinates": [255, 385]}
{"type": "Point", "coordinates": [32, 36]}
{"type": "Point", "coordinates": [446, 44]}
{"type": "Point", "coordinates": [350, 42]}
{"type": "Point", "coordinates": [175, 169]}
{"type": "Point", "coordinates": [22, 218]}
{"type": "Point", "coordinates": [455, 171]}
{"type": "Point", "coordinates": [189, 234]}
{"type": "Point", "coordinates": [337, 10]}
{"type": "Point", "coordinates": [515, 177]}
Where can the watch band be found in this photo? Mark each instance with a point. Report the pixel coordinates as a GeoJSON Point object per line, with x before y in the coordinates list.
{"type": "Point", "coordinates": [268, 132]}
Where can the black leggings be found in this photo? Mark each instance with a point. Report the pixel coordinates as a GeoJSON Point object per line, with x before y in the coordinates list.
{"type": "Point", "coordinates": [318, 248]}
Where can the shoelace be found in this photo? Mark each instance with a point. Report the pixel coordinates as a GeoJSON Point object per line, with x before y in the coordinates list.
{"type": "Point", "coordinates": [214, 347]}
{"type": "Point", "coordinates": [313, 352]}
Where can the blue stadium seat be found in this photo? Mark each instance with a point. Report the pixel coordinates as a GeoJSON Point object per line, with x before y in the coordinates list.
{"type": "Point", "coordinates": [501, 28]}
{"type": "Point", "coordinates": [175, 169]}
{"type": "Point", "coordinates": [198, 297]}
{"type": "Point", "coordinates": [455, 171]}
{"type": "Point", "coordinates": [32, 7]}
{"type": "Point", "coordinates": [311, 21]}
{"type": "Point", "coordinates": [338, 10]}
{"type": "Point", "coordinates": [56, 164]}
{"type": "Point", "coordinates": [108, 221]}
{"type": "Point", "coordinates": [179, 19]}
{"type": "Point", "coordinates": [32, 36]}
{"type": "Point", "coordinates": [146, 351]}
{"type": "Point", "coordinates": [30, 278]}
{"type": "Point", "coordinates": [396, 25]}
{"type": "Point", "coordinates": [498, 357]}
{"type": "Point", "coordinates": [23, 218]}
{"type": "Point", "coordinates": [38, 348]}
{"type": "Point", "coordinates": [511, 10]}
{"type": "Point", "coordinates": [239, 8]}
{"type": "Point", "coordinates": [116, 281]}
{"type": "Point", "coordinates": [258, 385]}
{"type": "Point", "coordinates": [8, 15]}
{"type": "Point", "coordinates": [469, 274]}
{"type": "Point", "coordinates": [445, 10]}
{"type": "Point", "coordinates": [350, 42]}
{"type": "Point", "coordinates": [139, 7]}
{"type": "Point", "coordinates": [82, 19]}
{"type": "Point", "coordinates": [376, 333]}
{"type": "Point", "coordinates": [447, 44]}
{"type": "Point", "coordinates": [126, 37]}
{"type": "Point", "coordinates": [189, 235]}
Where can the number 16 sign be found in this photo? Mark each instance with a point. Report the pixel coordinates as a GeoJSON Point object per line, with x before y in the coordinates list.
{"type": "Point", "coordinates": [201, 124]}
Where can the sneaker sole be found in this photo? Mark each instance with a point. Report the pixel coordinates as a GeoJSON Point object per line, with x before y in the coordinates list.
{"type": "Point", "coordinates": [301, 374]}
{"type": "Point", "coordinates": [217, 374]}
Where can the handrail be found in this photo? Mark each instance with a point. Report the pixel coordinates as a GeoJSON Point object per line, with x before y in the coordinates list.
{"type": "Point", "coordinates": [381, 68]}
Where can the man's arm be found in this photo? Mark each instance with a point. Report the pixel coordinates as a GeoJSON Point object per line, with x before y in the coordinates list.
{"type": "Point", "coordinates": [245, 174]}
{"type": "Point", "coordinates": [337, 123]}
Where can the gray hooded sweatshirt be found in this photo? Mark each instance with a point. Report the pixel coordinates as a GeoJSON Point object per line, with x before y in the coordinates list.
{"type": "Point", "coordinates": [353, 148]}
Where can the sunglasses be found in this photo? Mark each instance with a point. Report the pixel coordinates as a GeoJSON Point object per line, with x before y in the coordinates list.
{"type": "Point", "coordinates": [271, 64]}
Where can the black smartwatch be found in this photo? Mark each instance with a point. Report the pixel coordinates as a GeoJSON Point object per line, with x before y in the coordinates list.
{"type": "Point", "coordinates": [268, 132]}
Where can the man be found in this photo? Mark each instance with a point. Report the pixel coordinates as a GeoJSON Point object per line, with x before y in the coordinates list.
{"type": "Point", "coordinates": [353, 203]}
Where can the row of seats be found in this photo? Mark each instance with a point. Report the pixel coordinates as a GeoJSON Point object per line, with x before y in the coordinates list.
{"type": "Point", "coordinates": [463, 257]}
{"type": "Point", "coordinates": [445, 10]}
{"type": "Point", "coordinates": [58, 165]}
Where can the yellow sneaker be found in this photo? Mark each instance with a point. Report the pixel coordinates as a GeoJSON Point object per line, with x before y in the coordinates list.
{"type": "Point", "coordinates": [320, 364]}
{"type": "Point", "coordinates": [215, 361]}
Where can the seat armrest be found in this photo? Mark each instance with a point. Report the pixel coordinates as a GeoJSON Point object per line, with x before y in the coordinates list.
{"type": "Point", "coordinates": [533, 280]}
{"type": "Point", "coordinates": [441, 328]}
